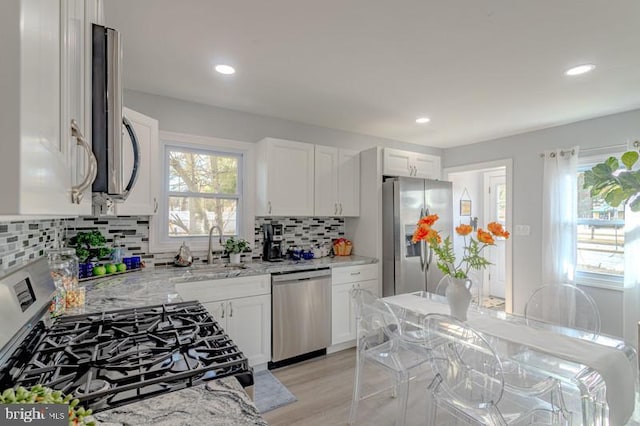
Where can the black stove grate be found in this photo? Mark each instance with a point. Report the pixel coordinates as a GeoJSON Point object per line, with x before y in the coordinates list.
{"type": "Point", "coordinates": [117, 357]}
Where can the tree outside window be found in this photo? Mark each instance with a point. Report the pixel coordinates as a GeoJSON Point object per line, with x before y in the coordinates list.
{"type": "Point", "coordinates": [203, 192]}
{"type": "Point", "coordinates": [600, 234]}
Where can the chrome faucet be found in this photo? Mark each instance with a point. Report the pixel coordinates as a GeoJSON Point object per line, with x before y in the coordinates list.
{"type": "Point", "coordinates": [209, 255]}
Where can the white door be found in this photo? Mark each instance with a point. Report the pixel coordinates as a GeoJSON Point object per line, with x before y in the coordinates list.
{"type": "Point", "coordinates": [343, 326]}
{"type": "Point", "coordinates": [249, 326]}
{"type": "Point", "coordinates": [290, 178]}
{"type": "Point", "coordinates": [326, 181]}
{"type": "Point", "coordinates": [143, 197]}
{"type": "Point", "coordinates": [496, 209]}
{"type": "Point", "coordinates": [348, 183]}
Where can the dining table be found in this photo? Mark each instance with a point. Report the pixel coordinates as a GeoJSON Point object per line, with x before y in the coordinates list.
{"type": "Point", "coordinates": [598, 373]}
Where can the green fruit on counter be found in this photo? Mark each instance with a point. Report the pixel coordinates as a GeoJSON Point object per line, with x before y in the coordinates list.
{"type": "Point", "coordinates": [99, 270]}
{"type": "Point", "coordinates": [111, 268]}
{"type": "Point", "coordinates": [121, 267]}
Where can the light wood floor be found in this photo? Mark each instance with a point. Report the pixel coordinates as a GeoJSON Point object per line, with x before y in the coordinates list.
{"type": "Point", "coordinates": [324, 387]}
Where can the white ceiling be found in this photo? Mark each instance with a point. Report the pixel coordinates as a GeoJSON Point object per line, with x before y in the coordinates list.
{"type": "Point", "coordinates": [479, 68]}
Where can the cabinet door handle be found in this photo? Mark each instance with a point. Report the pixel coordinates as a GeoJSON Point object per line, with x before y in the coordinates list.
{"type": "Point", "coordinates": [91, 169]}
{"type": "Point", "coordinates": [230, 309]}
{"type": "Point", "coordinates": [222, 307]}
{"type": "Point", "coordinates": [335, 208]}
{"type": "Point", "coordinates": [269, 207]}
{"type": "Point", "coordinates": [155, 205]}
{"type": "Point", "coordinates": [340, 208]}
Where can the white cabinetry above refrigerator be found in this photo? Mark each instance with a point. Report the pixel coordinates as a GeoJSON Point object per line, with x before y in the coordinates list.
{"type": "Point", "coordinates": [410, 164]}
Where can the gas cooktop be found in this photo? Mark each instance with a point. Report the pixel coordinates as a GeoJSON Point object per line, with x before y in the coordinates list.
{"type": "Point", "coordinates": [117, 357]}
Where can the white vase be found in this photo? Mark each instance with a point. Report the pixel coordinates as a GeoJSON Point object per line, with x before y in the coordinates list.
{"type": "Point", "coordinates": [459, 296]}
{"type": "Point", "coordinates": [234, 257]}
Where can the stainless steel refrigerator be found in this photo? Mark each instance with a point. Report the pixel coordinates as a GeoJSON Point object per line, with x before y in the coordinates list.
{"type": "Point", "coordinates": [408, 267]}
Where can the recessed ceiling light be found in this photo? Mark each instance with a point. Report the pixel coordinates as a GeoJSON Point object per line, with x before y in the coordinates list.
{"type": "Point", "coordinates": [580, 69]}
{"type": "Point", "coordinates": [423, 120]}
{"type": "Point", "coordinates": [225, 69]}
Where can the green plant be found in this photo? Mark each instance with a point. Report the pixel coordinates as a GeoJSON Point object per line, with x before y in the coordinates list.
{"type": "Point", "coordinates": [90, 245]}
{"type": "Point", "coordinates": [616, 183]}
{"type": "Point", "coordinates": [39, 394]}
{"type": "Point", "coordinates": [472, 251]}
{"type": "Point", "coordinates": [233, 245]}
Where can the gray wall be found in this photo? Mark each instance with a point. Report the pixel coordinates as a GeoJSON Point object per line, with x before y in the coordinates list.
{"type": "Point", "coordinates": [197, 119]}
{"type": "Point", "coordinates": [524, 149]}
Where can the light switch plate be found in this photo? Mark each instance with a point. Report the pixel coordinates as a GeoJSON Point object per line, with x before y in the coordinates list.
{"type": "Point", "coordinates": [523, 230]}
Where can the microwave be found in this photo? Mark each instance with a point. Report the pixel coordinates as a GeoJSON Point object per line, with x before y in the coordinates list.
{"type": "Point", "coordinates": [108, 122]}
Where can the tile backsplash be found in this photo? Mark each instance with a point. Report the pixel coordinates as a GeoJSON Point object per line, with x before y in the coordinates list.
{"type": "Point", "coordinates": [301, 231]}
{"type": "Point", "coordinates": [24, 241]}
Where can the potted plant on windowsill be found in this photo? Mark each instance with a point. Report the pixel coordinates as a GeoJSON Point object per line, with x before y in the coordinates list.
{"type": "Point", "coordinates": [235, 247]}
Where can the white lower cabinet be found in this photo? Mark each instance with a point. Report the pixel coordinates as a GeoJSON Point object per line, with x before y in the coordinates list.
{"type": "Point", "coordinates": [243, 319]}
{"type": "Point", "coordinates": [343, 315]}
{"type": "Point", "coordinates": [242, 306]}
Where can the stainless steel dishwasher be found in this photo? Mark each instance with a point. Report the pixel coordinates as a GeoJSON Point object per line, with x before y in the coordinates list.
{"type": "Point", "coordinates": [300, 313]}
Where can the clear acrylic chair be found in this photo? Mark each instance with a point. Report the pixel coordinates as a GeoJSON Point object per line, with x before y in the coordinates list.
{"type": "Point", "coordinates": [574, 312]}
{"type": "Point", "coordinates": [382, 341]}
{"type": "Point", "coordinates": [567, 306]}
{"type": "Point", "coordinates": [469, 384]}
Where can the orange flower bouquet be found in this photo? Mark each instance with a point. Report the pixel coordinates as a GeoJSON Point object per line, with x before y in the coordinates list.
{"type": "Point", "coordinates": [472, 258]}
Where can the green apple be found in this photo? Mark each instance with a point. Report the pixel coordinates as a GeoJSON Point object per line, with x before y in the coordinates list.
{"type": "Point", "coordinates": [121, 267]}
{"type": "Point", "coordinates": [99, 270]}
{"type": "Point", "coordinates": [111, 268]}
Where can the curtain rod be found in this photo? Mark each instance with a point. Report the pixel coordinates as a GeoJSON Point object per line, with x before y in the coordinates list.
{"type": "Point", "coordinates": [562, 153]}
{"type": "Point", "coordinates": [636, 144]}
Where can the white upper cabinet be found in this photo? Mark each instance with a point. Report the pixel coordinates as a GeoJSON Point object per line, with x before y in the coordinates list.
{"type": "Point", "coordinates": [46, 84]}
{"type": "Point", "coordinates": [407, 163]}
{"type": "Point", "coordinates": [143, 198]}
{"type": "Point", "coordinates": [285, 178]}
{"type": "Point", "coordinates": [349, 183]}
{"type": "Point", "coordinates": [337, 182]}
{"type": "Point", "coordinates": [326, 181]}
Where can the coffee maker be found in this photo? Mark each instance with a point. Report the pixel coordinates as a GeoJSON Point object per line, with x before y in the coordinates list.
{"type": "Point", "coordinates": [272, 248]}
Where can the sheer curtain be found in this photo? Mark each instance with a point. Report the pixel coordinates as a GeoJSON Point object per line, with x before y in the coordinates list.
{"type": "Point", "coordinates": [559, 215]}
{"type": "Point", "coordinates": [631, 276]}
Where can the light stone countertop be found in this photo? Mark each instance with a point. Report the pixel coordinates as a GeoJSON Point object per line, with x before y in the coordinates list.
{"type": "Point", "coordinates": [220, 402]}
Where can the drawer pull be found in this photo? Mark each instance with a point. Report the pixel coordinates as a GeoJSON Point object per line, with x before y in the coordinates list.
{"type": "Point", "coordinates": [355, 273]}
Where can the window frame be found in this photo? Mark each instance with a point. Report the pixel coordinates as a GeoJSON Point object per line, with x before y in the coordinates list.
{"type": "Point", "coordinates": [159, 239]}
{"type": "Point", "coordinates": [597, 279]}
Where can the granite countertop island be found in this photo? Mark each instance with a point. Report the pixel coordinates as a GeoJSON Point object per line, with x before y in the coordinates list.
{"type": "Point", "coordinates": [219, 402]}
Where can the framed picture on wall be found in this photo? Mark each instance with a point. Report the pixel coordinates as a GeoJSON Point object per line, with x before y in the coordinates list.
{"type": "Point", "coordinates": [465, 207]}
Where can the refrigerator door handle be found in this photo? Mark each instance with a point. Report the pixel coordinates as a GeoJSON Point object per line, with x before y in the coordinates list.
{"type": "Point", "coordinates": [423, 259]}
{"type": "Point", "coordinates": [428, 258]}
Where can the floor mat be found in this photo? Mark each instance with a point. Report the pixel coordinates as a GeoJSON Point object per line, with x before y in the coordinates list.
{"type": "Point", "coordinates": [269, 393]}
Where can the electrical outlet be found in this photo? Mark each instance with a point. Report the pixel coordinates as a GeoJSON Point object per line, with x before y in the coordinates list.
{"type": "Point", "coordinates": [523, 230]}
